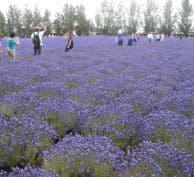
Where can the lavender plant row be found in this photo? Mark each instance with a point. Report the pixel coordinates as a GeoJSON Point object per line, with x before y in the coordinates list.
{"type": "Point", "coordinates": [99, 110]}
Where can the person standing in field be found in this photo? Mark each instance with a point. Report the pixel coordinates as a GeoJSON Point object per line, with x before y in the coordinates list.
{"type": "Point", "coordinates": [37, 41]}
{"type": "Point", "coordinates": [69, 38]}
{"type": "Point", "coordinates": [120, 41]}
{"type": "Point", "coordinates": [12, 41]}
{"type": "Point", "coordinates": [130, 41]}
{"type": "Point", "coordinates": [119, 33]}
{"type": "Point", "coordinates": [1, 49]}
{"type": "Point", "coordinates": [150, 37]}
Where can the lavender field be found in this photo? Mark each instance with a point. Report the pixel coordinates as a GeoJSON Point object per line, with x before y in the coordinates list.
{"type": "Point", "coordinates": [99, 110]}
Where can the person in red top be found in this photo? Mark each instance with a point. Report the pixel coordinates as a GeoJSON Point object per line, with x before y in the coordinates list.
{"type": "Point", "coordinates": [69, 38]}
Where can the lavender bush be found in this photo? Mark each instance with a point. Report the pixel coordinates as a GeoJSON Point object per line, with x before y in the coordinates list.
{"type": "Point", "coordinates": [84, 156]}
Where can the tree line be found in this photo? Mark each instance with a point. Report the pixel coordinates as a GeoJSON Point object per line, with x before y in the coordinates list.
{"type": "Point", "coordinates": [108, 19]}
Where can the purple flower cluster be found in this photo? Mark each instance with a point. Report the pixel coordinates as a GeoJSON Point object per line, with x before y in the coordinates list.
{"type": "Point", "coordinates": [157, 159]}
{"type": "Point", "coordinates": [28, 171]}
{"type": "Point", "coordinates": [22, 139]}
{"type": "Point", "coordinates": [79, 149]}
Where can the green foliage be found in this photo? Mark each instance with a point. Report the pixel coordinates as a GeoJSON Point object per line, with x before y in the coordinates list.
{"type": "Point", "coordinates": [27, 18]}
{"type": "Point", "coordinates": [9, 90]}
{"type": "Point", "coordinates": [169, 21]}
{"type": "Point", "coordinates": [14, 19]}
{"type": "Point", "coordinates": [72, 85]}
{"type": "Point", "coordinates": [21, 155]}
{"type": "Point", "coordinates": [79, 167]}
{"type": "Point", "coordinates": [57, 122]}
{"type": "Point", "coordinates": [139, 109]}
{"type": "Point", "coordinates": [46, 94]}
{"type": "Point", "coordinates": [185, 17]}
{"type": "Point", "coordinates": [176, 139]}
{"type": "Point", "coordinates": [162, 135]}
{"type": "Point", "coordinates": [116, 93]}
{"type": "Point", "coordinates": [37, 18]}
{"type": "Point", "coordinates": [62, 122]}
{"type": "Point", "coordinates": [92, 80]}
{"type": "Point", "coordinates": [7, 110]}
{"type": "Point", "coordinates": [133, 17]}
{"type": "Point", "coordinates": [146, 170]}
{"type": "Point", "coordinates": [2, 24]}
{"type": "Point", "coordinates": [105, 18]}
{"type": "Point", "coordinates": [119, 133]}
{"type": "Point", "coordinates": [150, 17]}
{"type": "Point", "coordinates": [185, 144]}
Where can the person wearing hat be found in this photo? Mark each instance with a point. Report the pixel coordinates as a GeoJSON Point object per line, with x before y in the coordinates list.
{"type": "Point", "coordinates": [37, 39]}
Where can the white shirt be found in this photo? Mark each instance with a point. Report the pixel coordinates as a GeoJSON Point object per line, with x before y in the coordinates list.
{"type": "Point", "coordinates": [120, 31]}
{"type": "Point", "coordinates": [150, 36]}
{"type": "Point", "coordinates": [40, 34]}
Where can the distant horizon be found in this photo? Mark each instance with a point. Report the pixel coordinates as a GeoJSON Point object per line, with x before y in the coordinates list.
{"type": "Point", "coordinates": [91, 7]}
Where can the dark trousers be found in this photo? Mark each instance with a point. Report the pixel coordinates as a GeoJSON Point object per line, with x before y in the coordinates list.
{"type": "Point", "coordinates": [37, 49]}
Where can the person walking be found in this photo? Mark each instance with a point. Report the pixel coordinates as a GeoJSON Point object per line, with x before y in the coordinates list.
{"type": "Point", "coordinates": [12, 41]}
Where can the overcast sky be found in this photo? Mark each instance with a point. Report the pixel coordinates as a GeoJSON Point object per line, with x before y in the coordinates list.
{"type": "Point", "coordinates": [56, 5]}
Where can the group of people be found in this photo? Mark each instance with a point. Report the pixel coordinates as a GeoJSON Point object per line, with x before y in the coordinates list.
{"type": "Point", "coordinates": [37, 41]}
{"type": "Point", "coordinates": [132, 40]}
{"type": "Point", "coordinates": [157, 37]}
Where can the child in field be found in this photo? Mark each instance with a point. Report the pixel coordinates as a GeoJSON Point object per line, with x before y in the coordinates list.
{"type": "Point", "coordinates": [11, 42]}
{"type": "Point", "coordinates": [69, 38]}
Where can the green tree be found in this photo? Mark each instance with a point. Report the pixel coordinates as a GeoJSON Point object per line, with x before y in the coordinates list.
{"type": "Point", "coordinates": [119, 18]}
{"type": "Point", "coordinates": [27, 21]}
{"type": "Point", "coordinates": [151, 17]}
{"type": "Point", "coordinates": [2, 24]}
{"type": "Point", "coordinates": [83, 25]}
{"type": "Point", "coordinates": [47, 20]}
{"type": "Point", "coordinates": [57, 23]}
{"type": "Point", "coordinates": [169, 18]}
{"type": "Point", "coordinates": [68, 18]}
{"type": "Point", "coordinates": [133, 17]}
{"type": "Point", "coordinates": [14, 19]}
{"type": "Point", "coordinates": [37, 19]}
{"type": "Point", "coordinates": [105, 18]}
{"type": "Point", "coordinates": [185, 22]}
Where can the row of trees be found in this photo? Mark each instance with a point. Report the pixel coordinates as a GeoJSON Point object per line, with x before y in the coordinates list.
{"type": "Point", "coordinates": [151, 18]}
{"type": "Point", "coordinates": [24, 22]}
{"type": "Point", "coordinates": [109, 18]}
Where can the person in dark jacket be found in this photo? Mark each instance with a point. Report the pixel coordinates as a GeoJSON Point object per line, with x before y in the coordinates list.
{"type": "Point", "coordinates": [120, 41]}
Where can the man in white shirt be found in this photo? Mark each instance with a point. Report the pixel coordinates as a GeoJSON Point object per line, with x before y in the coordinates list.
{"type": "Point", "coordinates": [37, 37]}
{"type": "Point", "coordinates": [150, 37]}
{"type": "Point", "coordinates": [120, 32]}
